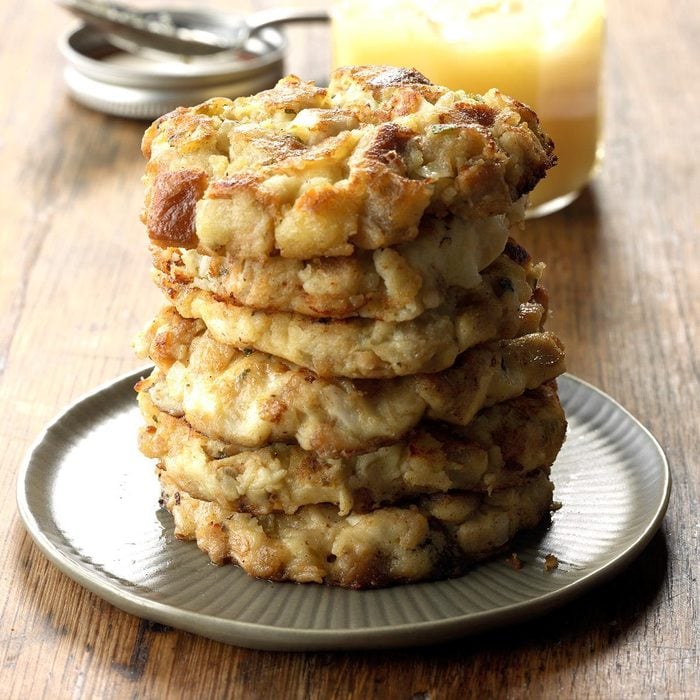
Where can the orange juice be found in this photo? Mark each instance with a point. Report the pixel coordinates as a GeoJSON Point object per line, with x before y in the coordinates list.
{"type": "Point", "coordinates": [545, 53]}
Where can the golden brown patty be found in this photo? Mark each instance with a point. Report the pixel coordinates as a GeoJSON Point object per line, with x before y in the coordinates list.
{"type": "Point", "coordinates": [252, 398]}
{"type": "Point", "coordinates": [303, 171]}
{"type": "Point", "coordinates": [502, 306]}
{"type": "Point", "coordinates": [497, 449]}
{"type": "Point", "coordinates": [436, 536]}
{"type": "Point", "coordinates": [390, 284]}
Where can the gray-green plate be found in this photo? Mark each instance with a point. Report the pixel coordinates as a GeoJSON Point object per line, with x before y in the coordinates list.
{"type": "Point", "coordinates": [89, 499]}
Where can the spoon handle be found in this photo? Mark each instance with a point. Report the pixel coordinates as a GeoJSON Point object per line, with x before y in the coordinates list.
{"type": "Point", "coordinates": [284, 15]}
{"type": "Point", "coordinates": [155, 30]}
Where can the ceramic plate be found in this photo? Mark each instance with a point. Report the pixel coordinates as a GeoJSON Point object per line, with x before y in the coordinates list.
{"type": "Point", "coordinates": [90, 501]}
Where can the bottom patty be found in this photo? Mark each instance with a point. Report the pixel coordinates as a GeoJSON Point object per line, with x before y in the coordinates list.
{"type": "Point", "coordinates": [431, 537]}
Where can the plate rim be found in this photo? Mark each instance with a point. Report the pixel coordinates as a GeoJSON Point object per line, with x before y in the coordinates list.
{"type": "Point", "coordinates": [286, 638]}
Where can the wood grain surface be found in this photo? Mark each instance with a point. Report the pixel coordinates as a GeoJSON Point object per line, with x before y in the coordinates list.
{"type": "Point", "coordinates": [625, 292]}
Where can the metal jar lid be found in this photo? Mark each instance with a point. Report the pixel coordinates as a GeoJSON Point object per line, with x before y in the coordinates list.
{"type": "Point", "coordinates": [144, 86]}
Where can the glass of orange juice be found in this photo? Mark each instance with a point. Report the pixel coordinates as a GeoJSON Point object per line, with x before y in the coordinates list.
{"type": "Point", "coordinates": [546, 53]}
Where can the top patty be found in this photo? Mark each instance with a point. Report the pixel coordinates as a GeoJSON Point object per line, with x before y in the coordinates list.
{"type": "Point", "coordinates": [303, 171]}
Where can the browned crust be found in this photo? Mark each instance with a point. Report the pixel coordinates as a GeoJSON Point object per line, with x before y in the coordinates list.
{"type": "Point", "coordinates": [170, 218]}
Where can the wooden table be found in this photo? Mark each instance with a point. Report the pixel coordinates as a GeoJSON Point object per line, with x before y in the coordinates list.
{"type": "Point", "coordinates": [626, 300]}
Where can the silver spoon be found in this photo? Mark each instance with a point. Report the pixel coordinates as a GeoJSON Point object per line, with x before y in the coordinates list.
{"type": "Point", "coordinates": [182, 32]}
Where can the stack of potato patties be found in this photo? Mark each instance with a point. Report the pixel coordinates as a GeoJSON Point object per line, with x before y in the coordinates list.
{"type": "Point", "coordinates": [352, 384]}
